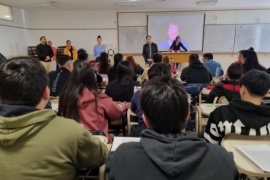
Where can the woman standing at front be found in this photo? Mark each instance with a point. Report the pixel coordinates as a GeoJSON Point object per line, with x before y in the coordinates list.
{"type": "Point", "coordinates": [177, 44]}
{"type": "Point", "coordinates": [99, 48]}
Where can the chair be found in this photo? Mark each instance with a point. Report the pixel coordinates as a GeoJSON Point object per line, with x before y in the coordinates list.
{"type": "Point", "coordinates": [200, 121]}
{"type": "Point", "coordinates": [244, 165]}
{"type": "Point", "coordinates": [119, 125]}
{"type": "Point", "coordinates": [223, 100]}
{"type": "Point", "coordinates": [131, 120]}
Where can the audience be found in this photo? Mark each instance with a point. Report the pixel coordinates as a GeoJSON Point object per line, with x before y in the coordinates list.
{"type": "Point", "coordinates": [136, 67]}
{"type": "Point", "coordinates": [155, 70]}
{"type": "Point", "coordinates": [122, 88]}
{"type": "Point", "coordinates": [103, 65]}
{"type": "Point", "coordinates": [167, 151]}
{"type": "Point", "coordinates": [81, 100]}
{"type": "Point", "coordinates": [229, 87]}
{"type": "Point", "coordinates": [112, 71]}
{"type": "Point", "coordinates": [157, 58]}
{"type": "Point", "coordinates": [166, 60]}
{"type": "Point", "coordinates": [212, 65]}
{"type": "Point", "coordinates": [35, 143]}
{"type": "Point", "coordinates": [246, 116]}
{"type": "Point", "coordinates": [59, 77]}
{"type": "Point", "coordinates": [70, 50]}
{"type": "Point", "coordinates": [196, 72]}
{"type": "Point", "coordinates": [250, 61]}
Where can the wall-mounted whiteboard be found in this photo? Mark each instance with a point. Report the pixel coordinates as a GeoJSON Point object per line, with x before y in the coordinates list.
{"type": "Point", "coordinates": [256, 36]}
{"type": "Point", "coordinates": [132, 39]}
{"type": "Point", "coordinates": [219, 38]}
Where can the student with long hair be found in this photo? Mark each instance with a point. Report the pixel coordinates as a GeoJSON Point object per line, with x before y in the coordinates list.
{"type": "Point", "coordinates": [136, 67]}
{"type": "Point", "coordinates": [118, 57]}
{"type": "Point", "coordinates": [166, 60]}
{"type": "Point", "coordinates": [250, 61]}
{"type": "Point", "coordinates": [81, 100]}
{"type": "Point", "coordinates": [103, 65]}
{"type": "Point", "coordinates": [122, 88]}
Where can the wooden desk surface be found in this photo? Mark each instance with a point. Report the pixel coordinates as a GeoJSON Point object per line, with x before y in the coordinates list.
{"type": "Point", "coordinates": [181, 57]}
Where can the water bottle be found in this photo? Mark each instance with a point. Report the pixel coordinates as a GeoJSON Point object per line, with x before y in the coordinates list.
{"type": "Point", "coordinates": [217, 73]}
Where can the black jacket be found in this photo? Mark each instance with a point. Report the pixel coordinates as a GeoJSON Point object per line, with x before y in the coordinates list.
{"type": "Point", "coordinates": [175, 46]}
{"type": "Point", "coordinates": [146, 50]}
{"type": "Point", "coordinates": [120, 92]}
{"type": "Point", "coordinates": [239, 117]}
{"type": "Point", "coordinates": [43, 51]}
{"type": "Point", "coordinates": [58, 80]}
{"type": "Point", "coordinates": [196, 73]}
{"type": "Point", "coordinates": [170, 156]}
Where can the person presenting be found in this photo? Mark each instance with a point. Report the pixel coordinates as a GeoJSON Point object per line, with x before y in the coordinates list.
{"type": "Point", "coordinates": [176, 45]}
{"type": "Point", "coordinates": [99, 48]}
{"type": "Point", "coordinates": [70, 50]}
{"type": "Point", "coordinates": [149, 49]}
{"type": "Point", "coordinates": [45, 53]}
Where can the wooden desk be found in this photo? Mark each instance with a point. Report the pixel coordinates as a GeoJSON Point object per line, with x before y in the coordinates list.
{"type": "Point", "coordinates": [181, 57]}
{"type": "Point", "coordinates": [206, 108]}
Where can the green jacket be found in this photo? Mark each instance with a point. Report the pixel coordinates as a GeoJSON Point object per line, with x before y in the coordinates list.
{"type": "Point", "coordinates": [37, 144]}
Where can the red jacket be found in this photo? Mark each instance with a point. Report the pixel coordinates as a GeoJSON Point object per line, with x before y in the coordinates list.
{"type": "Point", "coordinates": [96, 117]}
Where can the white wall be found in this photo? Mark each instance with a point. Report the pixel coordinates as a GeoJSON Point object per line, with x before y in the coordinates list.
{"type": "Point", "coordinates": [14, 35]}
{"type": "Point", "coordinates": [81, 27]}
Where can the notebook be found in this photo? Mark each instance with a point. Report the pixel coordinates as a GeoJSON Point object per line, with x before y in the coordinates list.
{"type": "Point", "coordinates": [117, 141]}
{"type": "Point", "coordinates": [259, 154]}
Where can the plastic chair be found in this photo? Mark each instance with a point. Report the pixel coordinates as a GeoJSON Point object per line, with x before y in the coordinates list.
{"type": "Point", "coordinates": [131, 120]}
{"type": "Point", "coordinates": [223, 100]}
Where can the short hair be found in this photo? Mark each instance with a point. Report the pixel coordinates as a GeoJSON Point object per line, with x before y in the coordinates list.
{"type": "Point", "coordinates": [235, 71]}
{"type": "Point", "coordinates": [63, 59]}
{"type": "Point", "coordinates": [82, 54]}
{"type": "Point", "coordinates": [118, 57]}
{"type": "Point", "coordinates": [208, 55]}
{"type": "Point", "coordinates": [68, 41]}
{"type": "Point", "coordinates": [256, 82]}
{"type": "Point", "coordinates": [41, 37]}
{"type": "Point", "coordinates": [159, 69]}
{"type": "Point", "coordinates": [193, 58]}
{"type": "Point", "coordinates": [22, 81]}
{"type": "Point", "coordinates": [164, 102]}
{"type": "Point", "coordinates": [148, 36]}
{"type": "Point", "coordinates": [157, 58]}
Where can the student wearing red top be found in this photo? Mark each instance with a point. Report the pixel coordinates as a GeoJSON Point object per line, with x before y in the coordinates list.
{"type": "Point", "coordinates": [53, 49]}
{"type": "Point", "coordinates": [81, 100]}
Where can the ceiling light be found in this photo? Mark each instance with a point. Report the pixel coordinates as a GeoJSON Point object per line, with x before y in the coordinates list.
{"type": "Point", "coordinates": [43, 5]}
{"type": "Point", "coordinates": [207, 3]}
{"type": "Point", "coordinates": [7, 16]}
{"type": "Point", "coordinates": [126, 4]}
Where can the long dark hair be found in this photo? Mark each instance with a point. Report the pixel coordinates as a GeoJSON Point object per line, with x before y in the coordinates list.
{"type": "Point", "coordinates": [251, 61]}
{"type": "Point", "coordinates": [103, 63]}
{"type": "Point", "coordinates": [83, 76]}
{"type": "Point", "coordinates": [124, 73]}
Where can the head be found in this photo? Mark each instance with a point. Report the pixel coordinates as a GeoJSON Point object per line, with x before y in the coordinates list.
{"type": "Point", "coordinates": [241, 56]}
{"type": "Point", "coordinates": [82, 55]}
{"type": "Point", "coordinates": [83, 76]}
{"type": "Point", "coordinates": [173, 31]}
{"type": "Point", "coordinates": [165, 105]}
{"type": "Point", "coordinates": [65, 61]}
{"type": "Point", "coordinates": [99, 39]}
{"type": "Point", "coordinates": [50, 43]}
{"type": "Point", "coordinates": [193, 58]}
{"type": "Point", "coordinates": [132, 61]}
{"type": "Point", "coordinates": [254, 85]}
{"type": "Point", "coordinates": [148, 39]}
{"type": "Point", "coordinates": [68, 43]}
{"type": "Point", "coordinates": [24, 81]}
{"type": "Point", "coordinates": [124, 72]}
{"type": "Point", "coordinates": [103, 63]}
{"type": "Point", "coordinates": [177, 39]}
{"type": "Point", "coordinates": [235, 71]}
{"type": "Point", "coordinates": [250, 60]}
{"type": "Point", "coordinates": [207, 56]}
{"type": "Point", "coordinates": [43, 40]}
{"type": "Point", "coordinates": [166, 60]}
{"type": "Point", "coordinates": [118, 57]}
{"type": "Point", "coordinates": [159, 70]}
{"type": "Point", "coordinates": [157, 58]}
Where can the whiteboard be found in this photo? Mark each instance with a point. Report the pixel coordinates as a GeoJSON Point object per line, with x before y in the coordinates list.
{"type": "Point", "coordinates": [219, 38]}
{"type": "Point", "coordinates": [132, 39]}
{"type": "Point", "coordinates": [256, 36]}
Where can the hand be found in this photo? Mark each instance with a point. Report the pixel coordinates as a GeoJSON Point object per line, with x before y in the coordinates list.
{"type": "Point", "coordinates": [47, 58]}
{"type": "Point", "coordinates": [149, 60]}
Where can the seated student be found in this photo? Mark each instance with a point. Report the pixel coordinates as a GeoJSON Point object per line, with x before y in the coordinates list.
{"type": "Point", "coordinates": [81, 100]}
{"type": "Point", "coordinates": [166, 60]}
{"type": "Point", "coordinates": [212, 65]}
{"type": "Point", "coordinates": [122, 88]}
{"type": "Point", "coordinates": [246, 116]}
{"type": "Point", "coordinates": [59, 77]}
{"type": "Point", "coordinates": [251, 62]}
{"type": "Point", "coordinates": [196, 72]}
{"type": "Point", "coordinates": [167, 151]}
{"type": "Point", "coordinates": [136, 67]}
{"type": "Point", "coordinates": [35, 143]}
{"type": "Point", "coordinates": [103, 65]}
{"type": "Point", "coordinates": [230, 87]}
{"type": "Point", "coordinates": [112, 71]}
{"type": "Point", "coordinates": [157, 58]}
{"type": "Point", "coordinates": [155, 70]}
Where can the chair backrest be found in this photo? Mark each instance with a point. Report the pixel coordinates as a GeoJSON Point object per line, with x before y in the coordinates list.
{"type": "Point", "coordinates": [223, 100]}
{"type": "Point", "coordinates": [131, 120]}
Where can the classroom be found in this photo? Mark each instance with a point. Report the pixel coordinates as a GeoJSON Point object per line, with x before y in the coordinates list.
{"type": "Point", "coordinates": [219, 30]}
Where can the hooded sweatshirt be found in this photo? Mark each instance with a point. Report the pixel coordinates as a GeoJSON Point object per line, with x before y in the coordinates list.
{"type": "Point", "coordinates": [239, 117]}
{"type": "Point", "coordinates": [196, 73]}
{"type": "Point", "coordinates": [37, 144]}
{"type": "Point", "coordinates": [170, 156]}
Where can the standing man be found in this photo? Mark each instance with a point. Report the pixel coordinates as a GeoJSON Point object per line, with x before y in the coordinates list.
{"type": "Point", "coordinates": [149, 49]}
{"type": "Point", "coordinates": [45, 53]}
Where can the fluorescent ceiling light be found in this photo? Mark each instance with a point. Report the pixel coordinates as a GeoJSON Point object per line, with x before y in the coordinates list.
{"type": "Point", "coordinates": [207, 3]}
{"type": "Point", "coordinates": [126, 4]}
{"type": "Point", "coordinates": [7, 16]}
{"type": "Point", "coordinates": [43, 5]}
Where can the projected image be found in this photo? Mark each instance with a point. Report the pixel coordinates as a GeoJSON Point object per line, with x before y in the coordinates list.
{"type": "Point", "coordinates": [165, 28]}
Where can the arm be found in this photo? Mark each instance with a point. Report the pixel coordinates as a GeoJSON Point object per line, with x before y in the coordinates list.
{"type": "Point", "coordinates": [144, 53]}
{"type": "Point", "coordinates": [173, 44]}
{"type": "Point", "coordinates": [133, 101]}
{"type": "Point", "coordinates": [114, 111]}
{"type": "Point", "coordinates": [221, 71]}
{"type": "Point", "coordinates": [39, 53]}
{"type": "Point", "coordinates": [181, 45]}
{"type": "Point", "coordinates": [66, 52]}
{"type": "Point", "coordinates": [156, 48]}
{"type": "Point", "coordinates": [183, 75]}
{"type": "Point", "coordinates": [94, 52]}
{"type": "Point", "coordinates": [91, 151]}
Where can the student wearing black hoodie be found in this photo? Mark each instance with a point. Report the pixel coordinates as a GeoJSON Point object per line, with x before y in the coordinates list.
{"type": "Point", "coordinates": [196, 72]}
{"type": "Point", "coordinates": [246, 116]}
{"type": "Point", "coordinates": [167, 151]}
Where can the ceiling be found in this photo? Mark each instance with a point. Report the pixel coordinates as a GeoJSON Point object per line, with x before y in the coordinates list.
{"type": "Point", "coordinates": [140, 5]}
